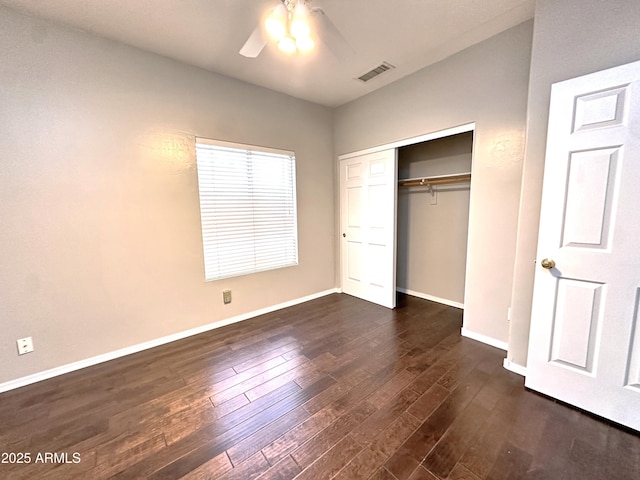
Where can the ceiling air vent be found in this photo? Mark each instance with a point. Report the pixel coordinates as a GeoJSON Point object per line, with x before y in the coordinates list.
{"type": "Point", "coordinates": [383, 67]}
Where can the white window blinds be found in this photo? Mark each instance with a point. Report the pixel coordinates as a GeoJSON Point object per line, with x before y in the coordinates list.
{"type": "Point", "coordinates": [247, 208]}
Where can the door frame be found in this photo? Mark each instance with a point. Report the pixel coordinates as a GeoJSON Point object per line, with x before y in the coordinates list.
{"type": "Point", "coordinates": [448, 132]}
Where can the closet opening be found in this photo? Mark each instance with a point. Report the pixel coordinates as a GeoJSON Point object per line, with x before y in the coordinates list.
{"type": "Point", "coordinates": [434, 181]}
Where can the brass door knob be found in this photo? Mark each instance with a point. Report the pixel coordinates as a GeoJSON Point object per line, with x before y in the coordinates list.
{"type": "Point", "coordinates": [548, 264]}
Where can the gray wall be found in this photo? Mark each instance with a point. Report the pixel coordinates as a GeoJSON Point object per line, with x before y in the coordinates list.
{"type": "Point", "coordinates": [571, 38]}
{"type": "Point", "coordinates": [433, 229]}
{"type": "Point", "coordinates": [100, 241]}
{"type": "Point", "coordinates": [486, 84]}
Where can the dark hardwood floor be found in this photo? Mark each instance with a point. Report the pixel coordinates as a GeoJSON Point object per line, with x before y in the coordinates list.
{"type": "Point", "coordinates": [334, 388]}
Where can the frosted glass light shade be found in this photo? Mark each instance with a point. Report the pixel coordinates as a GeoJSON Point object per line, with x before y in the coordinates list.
{"type": "Point", "coordinates": [276, 23]}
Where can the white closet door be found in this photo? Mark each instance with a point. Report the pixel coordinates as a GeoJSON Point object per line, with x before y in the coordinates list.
{"type": "Point", "coordinates": [368, 191]}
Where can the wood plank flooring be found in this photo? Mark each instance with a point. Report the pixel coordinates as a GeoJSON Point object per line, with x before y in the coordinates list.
{"type": "Point", "coordinates": [333, 388]}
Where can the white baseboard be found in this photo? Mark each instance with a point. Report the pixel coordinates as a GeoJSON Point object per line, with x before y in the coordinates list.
{"type": "Point", "coordinates": [514, 367]}
{"type": "Point", "coordinates": [484, 339]}
{"type": "Point", "coordinates": [424, 296]}
{"type": "Point", "coordinates": [54, 372]}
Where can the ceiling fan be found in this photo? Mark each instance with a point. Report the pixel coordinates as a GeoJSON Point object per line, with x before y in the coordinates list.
{"type": "Point", "coordinates": [290, 23]}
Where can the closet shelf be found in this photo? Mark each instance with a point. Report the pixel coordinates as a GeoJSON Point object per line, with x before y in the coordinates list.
{"type": "Point", "coordinates": [435, 180]}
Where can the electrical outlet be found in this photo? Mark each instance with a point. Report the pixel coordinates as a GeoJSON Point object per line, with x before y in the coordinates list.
{"type": "Point", "coordinates": [226, 296]}
{"type": "Point", "coordinates": [25, 345]}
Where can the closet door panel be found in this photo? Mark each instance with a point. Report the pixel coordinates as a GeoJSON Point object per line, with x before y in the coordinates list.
{"type": "Point", "coordinates": [368, 189]}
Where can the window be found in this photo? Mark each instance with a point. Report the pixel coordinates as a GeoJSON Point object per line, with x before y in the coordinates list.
{"type": "Point", "coordinates": [247, 208]}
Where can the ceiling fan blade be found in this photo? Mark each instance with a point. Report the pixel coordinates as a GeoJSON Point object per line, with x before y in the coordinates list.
{"type": "Point", "coordinates": [331, 36]}
{"type": "Point", "coordinates": [254, 44]}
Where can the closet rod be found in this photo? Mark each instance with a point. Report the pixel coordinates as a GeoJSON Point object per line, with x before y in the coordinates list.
{"type": "Point", "coordinates": [426, 181]}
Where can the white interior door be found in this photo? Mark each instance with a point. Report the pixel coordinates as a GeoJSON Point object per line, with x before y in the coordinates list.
{"type": "Point", "coordinates": [368, 192]}
{"type": "Point", "coordinates": [584, 346]}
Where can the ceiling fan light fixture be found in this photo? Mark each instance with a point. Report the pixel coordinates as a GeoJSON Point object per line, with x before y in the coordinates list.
{"type": "Point", "coordinates": [289, 24]}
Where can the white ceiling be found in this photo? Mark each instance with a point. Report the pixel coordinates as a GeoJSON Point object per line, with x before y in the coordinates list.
{"type": "Point", "coordinates": [409, 34]}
